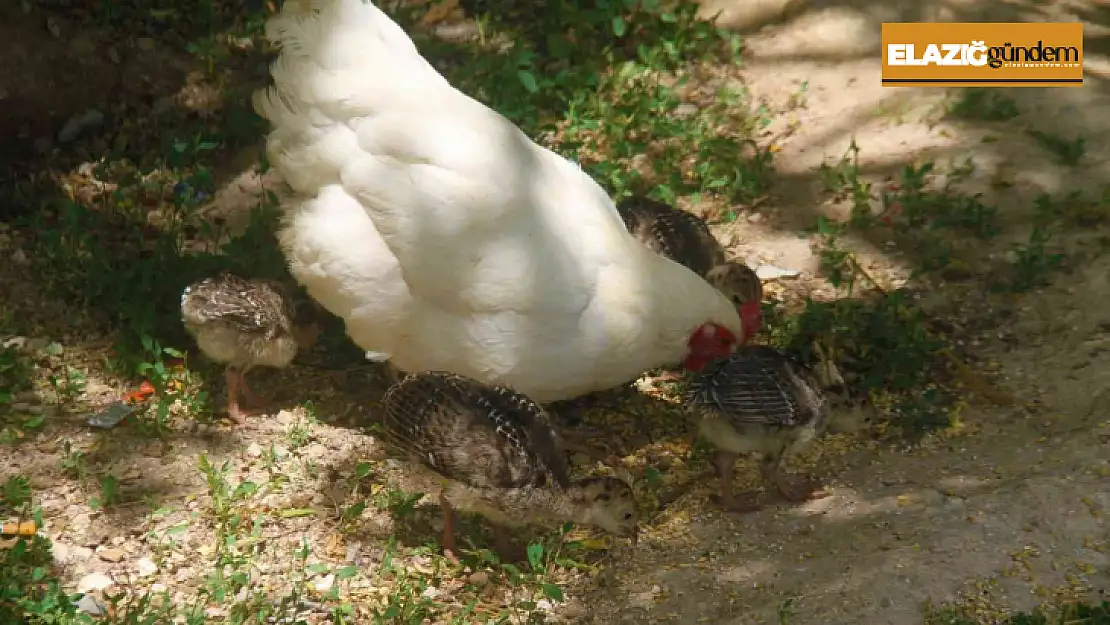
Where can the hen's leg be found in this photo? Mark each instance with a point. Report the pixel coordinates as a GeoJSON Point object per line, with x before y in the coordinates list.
{"type": "Point", "coordinates": [449, 548]}
{"type": "Point", "coordinates": [725, 463]}
{"type": "Point", "coordinates": [791, 490]}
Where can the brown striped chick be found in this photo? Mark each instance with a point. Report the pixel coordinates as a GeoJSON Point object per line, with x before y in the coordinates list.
{"type": "Point", "coordinates": [244, 324]}
{"type": "Point", "coordinates": [760, 400]}
{"type": "Point", "coordinates": [686, 239]}
{"type": "Point", "coordinates": [497, 455]}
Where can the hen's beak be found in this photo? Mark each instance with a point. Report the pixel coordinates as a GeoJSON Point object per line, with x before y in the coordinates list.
{"type": "Point", "coordinates": [635, 537]}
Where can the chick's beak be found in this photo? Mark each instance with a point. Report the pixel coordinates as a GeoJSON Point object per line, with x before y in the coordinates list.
{"type": "Point", "coordinates": [635, 537]}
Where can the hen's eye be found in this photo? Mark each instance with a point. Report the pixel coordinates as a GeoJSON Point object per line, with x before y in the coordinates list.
{"type": "Point", "coordinates": [736, 300]}
{"type": "Point", "coordinates": [627, 516]}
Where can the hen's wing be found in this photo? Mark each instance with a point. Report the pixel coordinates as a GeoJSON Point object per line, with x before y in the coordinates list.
{"type": "Point", "coordinates": [759, 385]}
{"type": "Point", "coordinates": [479, 435]}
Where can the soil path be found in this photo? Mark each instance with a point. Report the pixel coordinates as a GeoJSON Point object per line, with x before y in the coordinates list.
{"type": "Point", "coordinates": [1001, 519]}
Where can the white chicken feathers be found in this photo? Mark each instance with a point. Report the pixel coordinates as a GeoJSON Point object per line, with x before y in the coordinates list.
{"type": "Point", "coordinates": [443, 236]}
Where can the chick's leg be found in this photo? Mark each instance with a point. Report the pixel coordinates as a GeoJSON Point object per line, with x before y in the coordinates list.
{"type": "Point", "coordinates": [254, 400]}
{"type": "Point", "coordinates": [725, 463]}
{"type": "Point", "coordinates": [449, 548]}
{"type": "Point", "coordinates": [791, 490]}
{"type": "Point", "coordinates": [232, 378]}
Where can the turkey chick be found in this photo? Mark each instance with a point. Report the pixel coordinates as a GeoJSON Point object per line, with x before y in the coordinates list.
{"type": "Point", "coordinates": [686, 239]}
{"type": "Point", "coordinates": [244, 324]}
{"type": "Point", "coordinates": [497, 455]}
{"type": "Point", "coordinates": [760, 400]}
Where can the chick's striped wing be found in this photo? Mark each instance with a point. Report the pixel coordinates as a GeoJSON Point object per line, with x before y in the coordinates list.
{"type": "Point", "coordinates": [757, 385]}
{"type": "Point", "coordinates": [251, 306]}
{"type": "Point", "coordinates": [689, 240]}
{"type": "Point", "coordinates": [479, 435]}
{"type": "Point", "coordinates": [671, 232]}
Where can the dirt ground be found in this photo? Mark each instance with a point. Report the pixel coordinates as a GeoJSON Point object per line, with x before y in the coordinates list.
{"type": "Point", "coordinates": [1009, 514]}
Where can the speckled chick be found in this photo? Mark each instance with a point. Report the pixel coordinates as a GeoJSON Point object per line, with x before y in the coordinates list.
{"type": "Point", "coordinates": [244, 324]}
{"type": "Point", "coordinates": [498, 456]}
{"type": "Point", "coordinates": [686, 239]}
{"type": "Point", "coordinates": [760, 400]}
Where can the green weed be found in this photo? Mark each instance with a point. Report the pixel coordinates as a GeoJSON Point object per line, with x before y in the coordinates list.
{"type": "Point", "coordinates": [1032, 260]}
{"type": "Point", "coordinates": [29, 589]}
{"type": "Point", "coordinates": [983, 105]}
{"type": "Point", "coordinates": [1067, 151]}
{"type": "Point", "coordinates": [1068, 614]}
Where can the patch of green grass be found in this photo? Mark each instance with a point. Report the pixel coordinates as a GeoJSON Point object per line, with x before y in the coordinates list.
{"type": "Point", "coordinates": [983, 105]}
{"type": "Point", "coordinates": [236, 533]}
{"type": "Point", "coordinates": [29, 588]}
{"type": "Point", "coordinates": [1068, 614]}
{"type": "Point", "coordinates": [891, 352]}
{"type": "Point", "coordinates": [886, 347]}
{"type": "Point", "coordinates": [842, 180]}
{"type": "Point", "coordinates": [883, 348]}
{"type": "Point", "coordinates": [17, 371]}
{"type": "Point", "coordinates": [919, 213]}
{"type": "Point", "coordinates": [1067, 151]}
{"type": "Point", "coordinates": [1032, 259]}
{"type": "Point", "coordinates": [943, 208]}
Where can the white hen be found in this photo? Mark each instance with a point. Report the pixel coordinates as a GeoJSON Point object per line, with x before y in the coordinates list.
{"type": "Point", "coordinates": [446, 239]}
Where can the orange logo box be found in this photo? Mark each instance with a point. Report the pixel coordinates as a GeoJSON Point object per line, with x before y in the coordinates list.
{"type": "Point", "coordinates": [982, 55]}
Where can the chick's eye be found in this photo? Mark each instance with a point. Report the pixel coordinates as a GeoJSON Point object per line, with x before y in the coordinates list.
{"type": "Point", "coordinates": [627, 516]}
